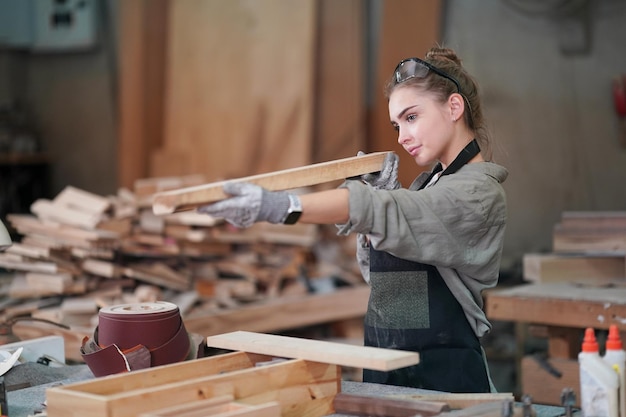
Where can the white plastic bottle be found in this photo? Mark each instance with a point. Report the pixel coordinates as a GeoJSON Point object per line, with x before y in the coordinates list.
{"type": "Point", "coordinates": [599, 383]}
{"type": "Point", "coordinates": [616, 357]}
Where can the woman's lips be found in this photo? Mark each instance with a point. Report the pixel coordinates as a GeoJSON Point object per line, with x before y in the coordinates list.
{"type": "Point", "coordinates": [413, 150]}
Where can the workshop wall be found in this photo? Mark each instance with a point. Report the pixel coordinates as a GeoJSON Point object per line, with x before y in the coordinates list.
{"type": "Point", "coordinates": [547, 80]}
{"type": "Point", "coordinates": [547, 91]}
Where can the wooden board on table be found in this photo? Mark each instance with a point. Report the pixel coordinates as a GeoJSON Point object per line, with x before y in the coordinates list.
{"type": "Point", "coordinates": [315, 350]}
{"type": "Point", "coordinates": [168, 202]}
{"type": "Point", "coordinates": [559, 304]}
{"type": "Point", "coordinates": [303, 388]}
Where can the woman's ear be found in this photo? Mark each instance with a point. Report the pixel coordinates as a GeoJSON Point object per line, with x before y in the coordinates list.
{"type": "Point", "coordinates": [457, 106]}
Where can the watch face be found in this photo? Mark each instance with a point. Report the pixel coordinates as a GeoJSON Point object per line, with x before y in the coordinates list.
{"type": "Point", "coordinates": [293, 217]}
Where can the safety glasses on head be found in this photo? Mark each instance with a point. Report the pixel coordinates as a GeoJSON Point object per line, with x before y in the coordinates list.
{"type": "Point", "coordinates": [417, 68]}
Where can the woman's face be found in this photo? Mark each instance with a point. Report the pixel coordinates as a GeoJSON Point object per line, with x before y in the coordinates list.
{"type": "Point", "coordinates": [425, 126]}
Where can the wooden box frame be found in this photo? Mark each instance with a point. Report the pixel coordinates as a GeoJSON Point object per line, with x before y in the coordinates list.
{"type": "Point", "coordinates": [303, 388]}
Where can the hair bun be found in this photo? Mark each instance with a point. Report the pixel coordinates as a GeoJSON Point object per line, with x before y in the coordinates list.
{"type": "Point", "coordinates": [438, 54]}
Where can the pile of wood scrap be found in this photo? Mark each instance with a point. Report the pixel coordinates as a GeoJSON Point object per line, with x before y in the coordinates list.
{"type": "Point", "coordinates": [80, 251]}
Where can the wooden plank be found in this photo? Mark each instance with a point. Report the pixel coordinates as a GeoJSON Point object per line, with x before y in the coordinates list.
{"type": "Point", "coordinates": [191, 197]}
{"type": "Point", "coordinates": [386, 407]}
{"type": "Point", "coordinates": [174, 410]}
{"type": "Point", "coordinates": [555, 267]}
{"type": "Point", "coordinates": [284, 313]}
{"type": "Point", "coordinates": [30, 225]}
{"type": "Point", "coordinates": [144, 187]}
{"type": "Point", "coordinates": [488, 409]}
{"type": "Point", "coordinates": [29, 251]}
{"type": "Point", "coordinates": [48, 210]}
{"type": "Point", "coordinates": [223, 406]}
{"type": "Point", "coordinates": [169, 374]}
{"type": "Point", "coordinates": [315, 350]}
{"type": "Point", "coordinates": [593, 219]}
{"type": "Point", "coordinates": [459, 400]}
{"type": "Point", "coordinates": [588, 240]}
{"type": "Point", "coordinates": [559, 304]}
{"type": "Point", "coordinates": [55, 283]}
{"type": "Point", "coordinates": [303, 389]}
{"type": "Point", "coordinates": [82, 200]}
{"type": "Point", "coordinates": [16, 262]}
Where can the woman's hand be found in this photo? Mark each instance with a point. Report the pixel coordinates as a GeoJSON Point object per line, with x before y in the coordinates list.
{"type": "Point", "coordinates": [248, 204]}
{"type": "Point", "coordinates": [387, 178]}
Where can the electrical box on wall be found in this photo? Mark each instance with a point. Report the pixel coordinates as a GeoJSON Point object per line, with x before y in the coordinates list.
{"type": "Point", "coordinates": [49, 25]}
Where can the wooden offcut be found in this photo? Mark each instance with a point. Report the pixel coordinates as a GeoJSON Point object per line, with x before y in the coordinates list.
{"type": "Point", "coordinates": [168, 202]}
{"type": "Point", "coordinates": [386, 407]}
{"type": "Point", "coordinates": [366, 357]}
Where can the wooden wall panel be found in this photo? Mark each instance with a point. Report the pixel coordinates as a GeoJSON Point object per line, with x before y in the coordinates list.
{"type": "Point", "coordinates": [339, 130]}
{"type": "Point", "coordinates": [239, 87]}
{"type": "Point", "coordinates": [407, 28]}
{"type": "Point", "coordinates": [142, 32]}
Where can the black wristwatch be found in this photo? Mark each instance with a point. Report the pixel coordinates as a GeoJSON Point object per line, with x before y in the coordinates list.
{"type": "Point", "coordinates": [294, 211]}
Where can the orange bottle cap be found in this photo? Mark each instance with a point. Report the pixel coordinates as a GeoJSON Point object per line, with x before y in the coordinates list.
{"type": "Point", "coordinates": [590, 344]}
{"type": "Point", "coordinates": [613, 341]}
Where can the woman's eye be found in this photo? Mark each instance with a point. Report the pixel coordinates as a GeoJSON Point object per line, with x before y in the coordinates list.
{"type": "Point", "coordinates": [411, 117]}
{"type": "Point", "coordinates": [395, 127]}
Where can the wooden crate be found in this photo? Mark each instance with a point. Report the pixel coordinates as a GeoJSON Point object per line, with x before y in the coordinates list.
{"type": "Point", "coordinates": [303, 388]}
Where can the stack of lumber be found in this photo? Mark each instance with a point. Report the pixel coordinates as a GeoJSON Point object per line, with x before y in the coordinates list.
{"type": "Point", "coordinates": [587, 246]}
{"type": "Point", "coordinates": [80, 251]}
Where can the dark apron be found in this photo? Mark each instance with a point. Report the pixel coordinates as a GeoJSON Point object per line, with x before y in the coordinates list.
{"type": "Point", "coordinates": [411, 308]}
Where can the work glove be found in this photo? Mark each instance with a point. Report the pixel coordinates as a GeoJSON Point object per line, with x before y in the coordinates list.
{"type": "Point", "coordinates": [387, 178]}
{"type": "Point", "coordinates": [248, 204]}
{"type": "Point", "coordinates": [363, 255]}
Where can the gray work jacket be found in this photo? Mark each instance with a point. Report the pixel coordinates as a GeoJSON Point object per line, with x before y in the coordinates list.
{"type": "Point", "coordinates": [456, 225]}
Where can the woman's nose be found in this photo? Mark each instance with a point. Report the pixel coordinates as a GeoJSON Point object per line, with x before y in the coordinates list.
{"type": "Point", "coordinates": [402, 138]}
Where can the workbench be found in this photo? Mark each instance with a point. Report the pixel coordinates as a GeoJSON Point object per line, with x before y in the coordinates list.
{"type": "Point", "coordinates": [558, 311]}
{"type": "Point", "coordinates": [23, 402]}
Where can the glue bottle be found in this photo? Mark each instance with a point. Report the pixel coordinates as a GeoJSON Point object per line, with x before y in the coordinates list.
{"type": "Point", "coordinates": [616, 357]}
{"type": "Point", "coordinates": [599, 383]}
